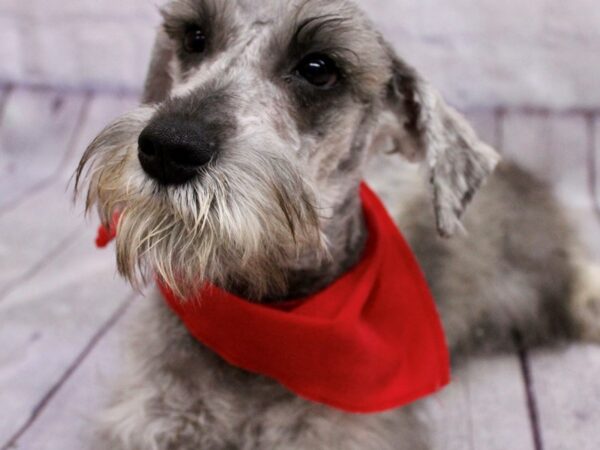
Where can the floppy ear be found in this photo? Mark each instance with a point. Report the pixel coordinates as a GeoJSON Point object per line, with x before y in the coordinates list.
{"type": "Point", "coordinates": [159, 81]}
{"type": "Point", "coordinates": [424, 128]}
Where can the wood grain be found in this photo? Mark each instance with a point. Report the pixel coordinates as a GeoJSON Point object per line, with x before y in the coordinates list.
{"type": "Point", "coordinates": [68, 420]}
{"type": "Point", "coordinates": [46, 322]}
{"type": "Point", "coordinates": [595, 162]}
{"type": "Point", "coordinates": [56, 290]}
{"type": "Point", "coordinates": [555, 148]}
{"type": "Point", "coordinates": [487, 124]}
{"type": "Point", "coordinates": [61, 306]}
{"type": "Point", "coordinates": [37, 130]}
{"type": "Point", "coordinates": [484, 408]}
{"type": "Point", "coordinates": [567, 386]}
{"type": "Point", "coordinates": [45, 221]}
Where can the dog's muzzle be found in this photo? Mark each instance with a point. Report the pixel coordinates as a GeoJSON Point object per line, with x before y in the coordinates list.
{"type": "Point", "coordinates": [172, 150]}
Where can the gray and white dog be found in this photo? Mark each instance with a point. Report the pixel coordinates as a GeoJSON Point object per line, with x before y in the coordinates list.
{"type": "Point", "coordinates": [260, 119]}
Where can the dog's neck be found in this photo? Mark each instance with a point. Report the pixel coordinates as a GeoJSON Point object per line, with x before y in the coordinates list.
{"type": "Point", "coordinates": [346, 236]}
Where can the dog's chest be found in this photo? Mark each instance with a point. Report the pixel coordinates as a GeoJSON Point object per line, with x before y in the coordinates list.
{"type": "Point", "coordinates": [185, 383]}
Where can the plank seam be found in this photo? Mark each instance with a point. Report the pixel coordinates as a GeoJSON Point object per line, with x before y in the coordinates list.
{"type": "Point", "coordinates": [117, 91]}
{"type": "Point", "coordinates": [6, 92]}
{"type": "Point", "coordinates": [87, 350]}
{"type": "Point", "coordinates": [128, 91]}
{"type": "Point", "coordinates": [468, 407]}
{"type": "Point", "coordinates": [532, 406]}
{"type": "Point", "coordinates": [499, 119]}
{"type": "Point", "coordinates": [592, 157]}
{"type": "Point", "coordinates": [139, 17]}
{"type": "Point", "coordinates": [53, 177]}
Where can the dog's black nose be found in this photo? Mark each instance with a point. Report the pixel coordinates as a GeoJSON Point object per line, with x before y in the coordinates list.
{"type": "Point", "coordinates": [171, 150]}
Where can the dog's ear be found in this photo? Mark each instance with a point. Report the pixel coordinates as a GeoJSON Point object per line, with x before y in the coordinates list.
{"type": "Point", "coordinates": [424, 128]}
{"type": "Point", "coordinates": [159, 81]}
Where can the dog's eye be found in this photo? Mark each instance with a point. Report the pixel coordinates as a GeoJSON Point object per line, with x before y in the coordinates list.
{"type": "Point", "coordinates": [194, 40]}
{"type": "Point", "coordinates": [319, 70]}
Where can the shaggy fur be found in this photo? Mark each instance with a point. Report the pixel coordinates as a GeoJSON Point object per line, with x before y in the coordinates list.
{"type": "Point", "coordinates": [276, 215]}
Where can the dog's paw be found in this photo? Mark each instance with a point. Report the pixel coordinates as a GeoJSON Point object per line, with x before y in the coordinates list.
{"type": "Point", "coordinates": [585, 305]}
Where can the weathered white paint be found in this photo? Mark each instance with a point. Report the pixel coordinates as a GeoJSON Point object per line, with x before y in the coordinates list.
{"type": "Point", "coordinates": [39, 225]}
{"type": "Point", "coordinates": [51, 314]}
{"type": "Point", "coordinates": [485, 123]}
{"type": "Point", "coordinates": [68, 421]}
{"type": "Point", "coordinates": [56, 288]}
{"type": "Point", "coordinates": [484, 408]}
{"type": "Point", "coordinates": [27, 159]}
{"type": "Point", "coordinates": [478, 52]}
{"type": "Point", "coordinates": [568, 397]}
{"type": "Point", "coordinates": [47, 321]}
{"type": "Point", "coordinates": [596, 163]}
{"type": "Point", "coordinates": [556, 148]}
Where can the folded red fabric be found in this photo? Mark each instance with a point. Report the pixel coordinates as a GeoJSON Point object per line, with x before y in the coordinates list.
{"type": "Point", "coordinates": [370, 342]}
{"type": "Point", "coordinates": [107, 235]}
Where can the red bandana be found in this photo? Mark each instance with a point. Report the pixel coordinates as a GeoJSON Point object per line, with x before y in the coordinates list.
{"type": "Point", "coordinates": [370, 342]}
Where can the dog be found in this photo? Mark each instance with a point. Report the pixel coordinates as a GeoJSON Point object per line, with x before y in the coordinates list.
{"type": "Point", "coordinates": [259, 121]}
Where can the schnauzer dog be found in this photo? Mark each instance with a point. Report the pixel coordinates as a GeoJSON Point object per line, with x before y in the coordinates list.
{"type": "Point", "coordinates": [259, 121]}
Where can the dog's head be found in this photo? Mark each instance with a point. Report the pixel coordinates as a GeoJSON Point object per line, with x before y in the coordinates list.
{"type": "Point", "coordinates": [258, 118]}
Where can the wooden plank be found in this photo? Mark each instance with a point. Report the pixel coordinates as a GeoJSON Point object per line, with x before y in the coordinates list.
{"type": "Point", "coordinates": [449, 415]}
{"type": "Point", "coordinates": [4, 94]}
{"type": "Point", "coordinates": [40, 224]}
{"type": "Point", "coordinates": [67, 421]}
{"type": "Point", "coordinates": [567, 389]}
{"type": "Point", "coordinates": [31, 235]}
{"type": "Point", "coordinates": [470, 397]}
{"type": "Point", "coordinates": [35, 135]}
{"type": "Point", "coordinates": [460, 415]}
{"type": "Point", "coordinates": [486, 124]}
{"type": "Point", "coordinates": [565, 384]}
{"type": "Point", "coordinates": [484, 408]}
{"type": "Point", "coordinates": [499, 404]}
{"type": "Point", "coordinates": [103, 110]}
{"type": "Point", "coordinates": [595, 163]}
{"type": "Point", "coordinates": [46, 323]}
{"type": "Point", "coordinates": [555, 147]}
{"type": "Point", "coordinates": [56, 289]}
{"type": "Point", "coordinates": [525, 141]}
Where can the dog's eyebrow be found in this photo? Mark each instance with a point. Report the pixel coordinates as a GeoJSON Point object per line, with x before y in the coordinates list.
{"type": "Point", "coordinates": [212, 15]}
{"type": "Point", "coordinates": [179, 13]}
{"type": "Point", "coordinates": [320, 31]}
{"type": "Point", "coordinates": [311, 27]}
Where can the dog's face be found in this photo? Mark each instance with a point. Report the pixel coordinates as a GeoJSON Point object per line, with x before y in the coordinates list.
{"type": "Point", "coordinates": [259, 116]}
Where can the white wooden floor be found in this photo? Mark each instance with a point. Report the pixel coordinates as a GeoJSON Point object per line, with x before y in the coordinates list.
{"type": "Point", "coordinates": [62, 310]}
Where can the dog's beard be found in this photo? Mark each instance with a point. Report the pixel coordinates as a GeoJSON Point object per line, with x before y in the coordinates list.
{"type": "Point", "coordinates": [242, 224]}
